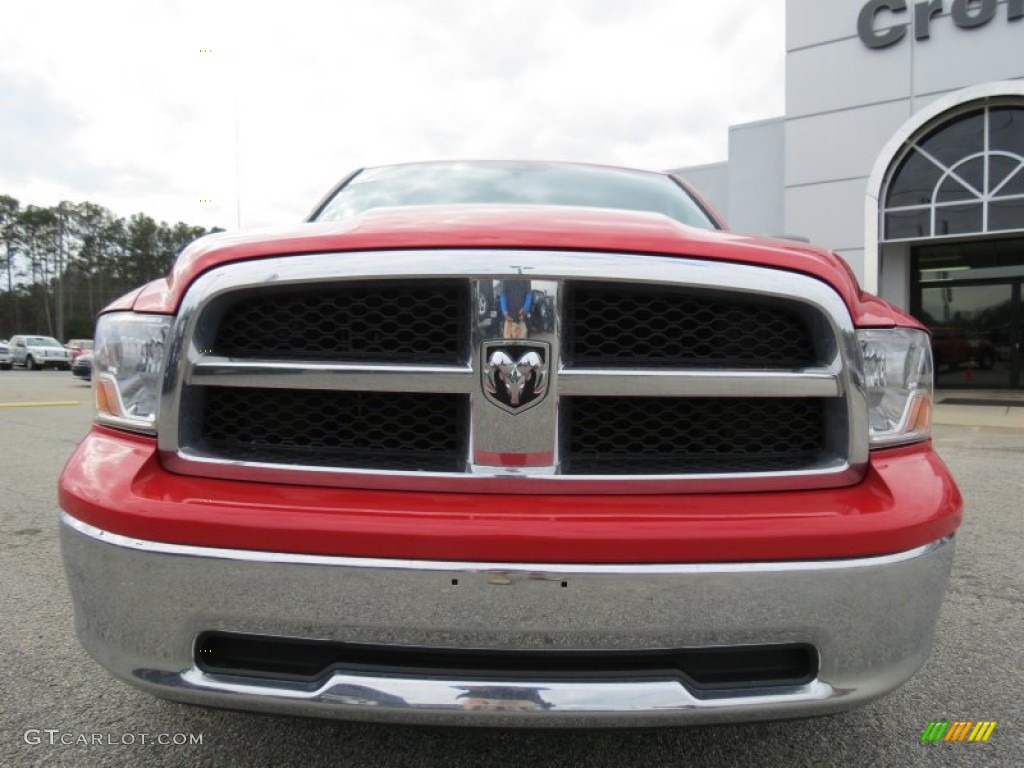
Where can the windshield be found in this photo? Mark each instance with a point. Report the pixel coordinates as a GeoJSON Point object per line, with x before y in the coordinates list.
{"type": "Point", "coordinates": [516, 183]}
{"type": "Point", "coordinates": [42, 341]}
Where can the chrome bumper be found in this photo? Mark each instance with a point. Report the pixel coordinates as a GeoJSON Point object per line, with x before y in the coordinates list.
{"type": "Point", "coordinates": [140, 605]}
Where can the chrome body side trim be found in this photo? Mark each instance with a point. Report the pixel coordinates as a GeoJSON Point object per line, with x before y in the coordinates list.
{"type": "Point", "coordinates": [141, 605]}
{"type": "Point", "coordinates": [494, 430]}
{"type": "Point", "coordinates": [390, 564]}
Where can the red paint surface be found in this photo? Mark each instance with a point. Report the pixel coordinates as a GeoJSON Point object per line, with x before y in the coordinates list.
{"type": "Point", "coordinates": [115, 481]}
{"type": "Point", "coordinates": [510, 227]}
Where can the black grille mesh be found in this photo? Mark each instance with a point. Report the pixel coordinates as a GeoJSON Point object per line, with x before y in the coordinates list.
{"type": "Point", "coordinates": [651, 435]}
{"type": "Point", "coordinates": [624, 325]}
{"type": "Point", "coordinates": [370, 430]}
{"type": "Point", "coordinates": [393, 322]}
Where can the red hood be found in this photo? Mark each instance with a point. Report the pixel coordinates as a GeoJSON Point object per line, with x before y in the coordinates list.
{"type": "Point", "coordinates": [513, 226]}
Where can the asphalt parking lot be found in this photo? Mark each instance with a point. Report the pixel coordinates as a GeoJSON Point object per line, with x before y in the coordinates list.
{"type": "Point", "coordinates": [47, 682]}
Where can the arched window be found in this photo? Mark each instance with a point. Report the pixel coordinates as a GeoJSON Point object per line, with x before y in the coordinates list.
{"type": "Point", "coordinates": [962, 177]}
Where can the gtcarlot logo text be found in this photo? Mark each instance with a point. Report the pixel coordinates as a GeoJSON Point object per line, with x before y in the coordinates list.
{"type": "Point", "coordinates": [55, 737]}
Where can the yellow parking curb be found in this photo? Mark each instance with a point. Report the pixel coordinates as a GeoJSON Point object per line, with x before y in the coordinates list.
{"type": "Point", "coordinates": [38, 405]}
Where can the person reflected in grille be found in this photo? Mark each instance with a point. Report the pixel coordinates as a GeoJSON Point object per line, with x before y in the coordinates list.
{"type": "Point", "coordinates": [516, 300]}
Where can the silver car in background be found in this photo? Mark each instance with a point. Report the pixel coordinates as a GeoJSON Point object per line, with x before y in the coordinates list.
{"type": "Point", "coordinates": [36, 352]}
{"type": "Point", "coordinates": [6, 359]}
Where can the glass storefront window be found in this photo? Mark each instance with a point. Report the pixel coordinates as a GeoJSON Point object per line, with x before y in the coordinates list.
{"type": "Point", "coordinates": [962, 137]}
{"type": "Point", "coordinates": [971, 332]}
{"type": "Point", "coordinates": [1006, 130]}
{"type": "Point", "coordinates": [953, 189]}
{"type": "Point", "coordinates": [1000, 168]}
{"type": "Point", "coordinates": [1014, 185]}
{"type": "Point", "coordinates": [985, 260]}
{"type": "Point", "coordinates": [964, 177]}
{"type": "Point", "coordinates": [901, 225]}
{"type": "Point", "coordinates": [958, 219]}
{"type": "Point", "coordinates": [1005, 214]}
{"type": "Point", "coordinates": [914, 181]}
{"type": "Point", "coordinates": [968, 294]}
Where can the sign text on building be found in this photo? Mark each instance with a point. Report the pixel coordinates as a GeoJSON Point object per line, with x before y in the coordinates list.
{"type": "Point", "coordinates": [880, 23]}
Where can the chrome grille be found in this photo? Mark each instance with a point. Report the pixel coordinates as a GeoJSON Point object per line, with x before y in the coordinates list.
{"type": "Point", "coordinates": [651, 374]}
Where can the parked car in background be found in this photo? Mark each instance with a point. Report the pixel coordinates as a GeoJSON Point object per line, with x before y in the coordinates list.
{"type": "Point", "coordinates": [37, 352]}
{"type": "Point", "coordinates": [6, 360]}
{"type": "Point", "coordinates": [953, 347]}
{"type": "Point", "coordinates": [78, 347]}
{"type": "Point", "coordinates": [82, 366]}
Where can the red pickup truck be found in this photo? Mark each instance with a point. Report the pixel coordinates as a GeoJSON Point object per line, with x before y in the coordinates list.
{"type": "Point", "coordinates": [509, 443]}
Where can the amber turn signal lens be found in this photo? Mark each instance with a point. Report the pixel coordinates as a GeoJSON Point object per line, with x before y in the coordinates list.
{"type": "Point", "coordinates": [107, 400]}
{"type": "Point", "coordinates": [920, 416]}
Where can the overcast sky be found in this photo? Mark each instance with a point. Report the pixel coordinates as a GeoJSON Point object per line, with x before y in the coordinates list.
{"type": "Point", "coordinates": [137, 104]}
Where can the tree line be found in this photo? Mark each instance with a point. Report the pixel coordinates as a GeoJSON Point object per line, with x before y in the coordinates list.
{"type": "Point", "coordinates": [61, 265]}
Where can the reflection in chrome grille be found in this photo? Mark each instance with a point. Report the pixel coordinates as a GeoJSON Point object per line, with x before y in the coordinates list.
{"type": "Point", "coordinates": [617, 324]}
{"type": "Point", "coordinates": [329, 429]}
{"type": "Point", "coordinates": [391, 322]}
{"type": "Point", "coordinates": [651, 435]}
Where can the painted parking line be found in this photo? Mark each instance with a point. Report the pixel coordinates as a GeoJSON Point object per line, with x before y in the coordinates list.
{"type": "Point", "coordinates": [40, 405]}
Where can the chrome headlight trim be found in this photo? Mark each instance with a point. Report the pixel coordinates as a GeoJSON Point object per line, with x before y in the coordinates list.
{"type": "Point", "coordinates": [128, 362]}
{"type": "Point", "coordinates": [898, 383]}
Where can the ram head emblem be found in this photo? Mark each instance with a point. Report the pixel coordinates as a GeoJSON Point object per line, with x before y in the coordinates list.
{"type": "Point", "coordinates": [515, 376]}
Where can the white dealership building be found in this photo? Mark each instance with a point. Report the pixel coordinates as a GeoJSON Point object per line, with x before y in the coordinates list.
{"type": "Point", "coordinates": [902, 149]}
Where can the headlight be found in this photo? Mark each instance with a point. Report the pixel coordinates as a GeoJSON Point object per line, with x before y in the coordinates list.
{"type": "Point", "coordinates": [898, 380]}
{"type": "Point", "coordinates": [127, 366]}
